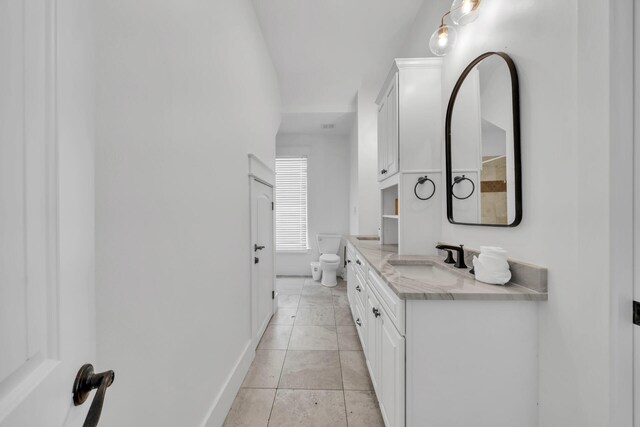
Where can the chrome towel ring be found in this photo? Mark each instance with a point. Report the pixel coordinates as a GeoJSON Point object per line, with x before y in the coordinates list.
{"type": "Point", "coordinates": [421, 181]}
{"type": "Point", "coordinates": [458, 180]}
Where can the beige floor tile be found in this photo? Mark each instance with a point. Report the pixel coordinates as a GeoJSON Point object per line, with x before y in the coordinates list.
{"type": "Point", "coordinates": [363, 409]}
{"type": "Point", "coordinates": [338, 290]}
{"type": "Point", "coordinates": [314, 338]}
{"type": "Point", "coordinates": [288, 301]}
{"type": "Point", "coordinates": [276, 337]}
{"type": "Point", "coordinates": [265, 369]}
{"type": "Point", "coordinates": [290, 280]}
{"type": "Point", "coordinates": [348, 338]}
{"type": "Point", "coordinates": [282, 292]}
{"type": "Point", "coordinates": [355, 375]}
{"type": "Point", "coordinates": [290, 285]}
{"type": "Point", "coordinates": [343, 329]}
{"type": "Point", "coordinates": [316, 301]}
{"type": "Point", "coordinates": [315, 316]}
{"type": "Point", "coordinates": [341, 286]}
{"type": "Point", "coordinates": [284, 316]}
{"type": "Point", "coordinates": [343, 316]}
{"type": "Point", "coordinates": [315, 289]}
{"type": "Point", "coordinates": [340, 300]}
{"type": "Point", "coordinates": [251, 408]}
{"type": "Point", "coordinates": [311, 370]}
{"type": "Point", "coordinates": [308, 408]}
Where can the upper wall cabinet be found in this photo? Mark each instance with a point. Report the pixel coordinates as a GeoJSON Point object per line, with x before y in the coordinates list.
{"type": "Point", "coordinates": [388, 131]}
{"type": "Point", "coordinates": [409, 117]}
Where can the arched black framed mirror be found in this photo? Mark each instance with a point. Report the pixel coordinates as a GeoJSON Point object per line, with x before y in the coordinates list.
{"type": "Point", "coordinates": [482, 132]}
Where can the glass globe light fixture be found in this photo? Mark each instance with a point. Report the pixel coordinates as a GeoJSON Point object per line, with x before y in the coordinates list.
{"type": "Point", "coordinates": [443, 40]}
{"type": "Point", "coordinates": [464, 12]}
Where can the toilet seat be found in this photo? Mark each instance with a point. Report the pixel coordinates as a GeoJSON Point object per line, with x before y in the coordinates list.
{"type": "Point", "coordinates": [330, 258]}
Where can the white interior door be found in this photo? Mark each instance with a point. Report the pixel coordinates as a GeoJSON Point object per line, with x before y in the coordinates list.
{"type": "Point", "coordinates": [262, 238]}
{"type": "Point", "coordinates": [636, 218]}
{"type": "Point", "coordinates": [47, 326]}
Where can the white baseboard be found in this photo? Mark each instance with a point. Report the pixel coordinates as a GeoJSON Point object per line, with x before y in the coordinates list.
{"type": "Point", "coordinates": [222, 403]}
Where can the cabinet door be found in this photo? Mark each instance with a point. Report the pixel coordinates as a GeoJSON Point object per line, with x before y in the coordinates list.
{"type": "Point", "coordinates": [361, 325]}
{"type": "Point", "coordinates": [373, 339]}
{"type": "Point", "coordinates": [351, 280]}
{"type": "Point", "coordinates": [382, 140]}
{"type": "Point", "coordinates": [391, 156]}
{"type": "Point", "coordinates": [391, 365]}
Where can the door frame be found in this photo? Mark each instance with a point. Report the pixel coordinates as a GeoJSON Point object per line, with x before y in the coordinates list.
{"type": "Point", "coordinates": [624, 179]}
{"type": "Point", "coordinates": [260, 172]}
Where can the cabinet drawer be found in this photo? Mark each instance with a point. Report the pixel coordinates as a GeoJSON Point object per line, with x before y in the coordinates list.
{"type": "Point", "coordinates": [393, 305]}
{"type": "Point", "coordinates": [360, 322]}
{"type": "Point", "coordinates": [361, 265]}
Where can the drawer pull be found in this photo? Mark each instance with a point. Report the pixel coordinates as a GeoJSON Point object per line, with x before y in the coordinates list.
{"type": "Point", "coordinates": [358, 322]}
{"type": "Point", "coordinates": [376, 312]}
{"type": "Point", "coordinates": [358, 288]}
{"type": "Point", "coordinates": [358, 262]}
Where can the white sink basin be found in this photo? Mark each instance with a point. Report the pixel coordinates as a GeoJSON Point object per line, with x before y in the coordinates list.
{"type": "Point", "coordinates": [426, 273]}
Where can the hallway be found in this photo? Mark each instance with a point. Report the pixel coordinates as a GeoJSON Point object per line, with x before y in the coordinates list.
{"type": "Point", "coordinates": [309, 367]}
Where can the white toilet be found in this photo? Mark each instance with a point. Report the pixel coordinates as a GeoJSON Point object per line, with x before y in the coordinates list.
{"type": "Point", "coordinates": [329, 245]}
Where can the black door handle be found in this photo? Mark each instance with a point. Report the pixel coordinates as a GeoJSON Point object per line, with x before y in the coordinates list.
{"type": "Point", "coordinates": [257, 248]}
{"type": "Point", "coordinates": [376, 312]}
{"type": "Point", "coordinates": [85, 382]}
{"type": "Point", "coordinates": [358, 288]}
{"type": "Point", "coordinates": [358, 322]}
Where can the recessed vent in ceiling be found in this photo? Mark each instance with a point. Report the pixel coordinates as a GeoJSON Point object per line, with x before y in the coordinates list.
{"type": "Point", "coordinates": [328, 126]}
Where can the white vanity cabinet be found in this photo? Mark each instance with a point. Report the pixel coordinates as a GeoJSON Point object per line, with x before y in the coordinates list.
{"type": "Point", "coordinates": [385, 355]}
{"type": "Point", "coordinates": [356, 292]}
{"type": "Point", "coordinates": [382, 342]}
{"type": "Point", "coordinates": [443, 362]}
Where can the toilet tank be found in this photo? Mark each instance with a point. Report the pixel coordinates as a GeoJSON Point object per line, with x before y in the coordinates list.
{"type": "Point", "coordinates": [329, 243]}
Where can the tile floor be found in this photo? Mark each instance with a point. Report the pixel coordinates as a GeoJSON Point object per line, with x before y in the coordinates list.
{"type": "Point", "coordinates": [309, 369]}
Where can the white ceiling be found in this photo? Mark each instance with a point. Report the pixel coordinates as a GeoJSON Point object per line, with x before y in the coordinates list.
{"type": "Point", "coordinates": [322, 49]}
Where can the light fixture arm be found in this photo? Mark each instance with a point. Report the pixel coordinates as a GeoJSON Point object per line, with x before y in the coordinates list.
{"type": "Point", "coordinates": [444, 16]}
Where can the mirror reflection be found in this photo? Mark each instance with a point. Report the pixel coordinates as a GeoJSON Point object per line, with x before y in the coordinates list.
{"type": "Point", "coordinates": [482, 146]}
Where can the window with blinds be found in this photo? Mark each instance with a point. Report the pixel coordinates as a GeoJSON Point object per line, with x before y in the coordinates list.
{"type": "Point", "coordinates": [291, 204]}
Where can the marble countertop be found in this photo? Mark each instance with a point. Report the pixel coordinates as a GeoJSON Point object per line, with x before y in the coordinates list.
{"type": "Point", "coordinates": [461, 284]}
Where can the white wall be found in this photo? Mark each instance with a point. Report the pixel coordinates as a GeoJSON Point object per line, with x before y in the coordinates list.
{"type": "Point", "coordinates": [185, 91]}
{"type": "Point", "coordinates": [354, 183]}
{"type": "Point", "coordinates": [364, 198]}
{"type": "Point", "coordinates": [368, 189]}
{"type": "Point", "coordinates": [561, 52]}
{"type": "Point", "coordinates": [328, 178]}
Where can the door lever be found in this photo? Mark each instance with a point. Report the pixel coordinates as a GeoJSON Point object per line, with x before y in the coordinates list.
{"type": "Point", "coordinates": [86, 381]}
{"type": "Point", "coordinates": [257, 248]}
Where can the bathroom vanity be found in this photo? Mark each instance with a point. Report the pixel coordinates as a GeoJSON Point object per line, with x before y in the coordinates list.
{"type": "Point", "coordinates": [443, 349]}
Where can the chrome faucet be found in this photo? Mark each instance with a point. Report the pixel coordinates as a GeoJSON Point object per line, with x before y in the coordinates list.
{"type": "Point", "coordinates": [459, 249]}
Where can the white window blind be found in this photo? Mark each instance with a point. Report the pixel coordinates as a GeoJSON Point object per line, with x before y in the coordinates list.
{"type": "Point", "coordinates": [291, 204]}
